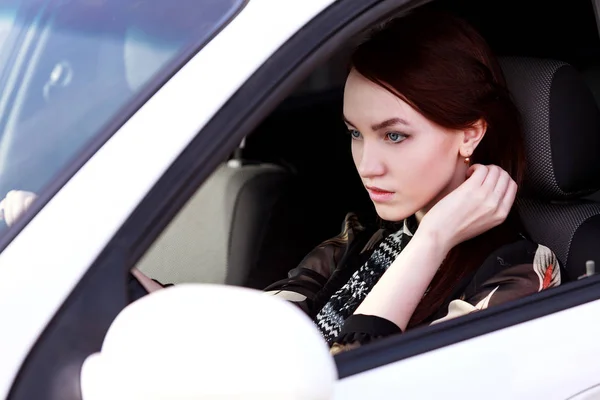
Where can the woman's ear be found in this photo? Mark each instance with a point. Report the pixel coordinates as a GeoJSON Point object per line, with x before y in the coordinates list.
{"type": "Point", "coordinates": [471, 137]}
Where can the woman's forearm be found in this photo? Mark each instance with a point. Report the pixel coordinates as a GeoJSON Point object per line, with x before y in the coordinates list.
{"type": "Point", "coordinates": [401, 288]}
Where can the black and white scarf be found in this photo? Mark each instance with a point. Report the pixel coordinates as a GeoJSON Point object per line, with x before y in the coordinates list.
{"type": "Point", "coordinates": [347, 299]}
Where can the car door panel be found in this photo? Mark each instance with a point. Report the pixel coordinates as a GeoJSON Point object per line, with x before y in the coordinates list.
{"type": "Point", "coordinates": [551, 357]}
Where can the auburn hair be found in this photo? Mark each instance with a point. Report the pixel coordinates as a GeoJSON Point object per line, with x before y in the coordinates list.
{"type": "Point", "coordinates": [444, 69]}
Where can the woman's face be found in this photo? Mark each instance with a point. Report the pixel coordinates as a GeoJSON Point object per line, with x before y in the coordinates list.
{"type": "Point", "coordinates": [405, 161]}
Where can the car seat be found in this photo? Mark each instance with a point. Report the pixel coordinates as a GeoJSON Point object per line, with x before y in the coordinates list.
{"type": "Point", "coordinates": [217, 235]}
{"type": "Point", "coordinates": [561, 124]}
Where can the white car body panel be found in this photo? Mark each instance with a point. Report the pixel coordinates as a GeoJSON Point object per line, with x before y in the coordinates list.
{"type": "Point", "coordinates": [551, 358]}
{"type": "Point", "coordinates": [43, 264]}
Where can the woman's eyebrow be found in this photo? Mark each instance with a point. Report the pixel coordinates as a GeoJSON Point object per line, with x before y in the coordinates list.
{"type": "Point", "coordinates": [348, 122]}
{"type": "Point", "coordinates": [389, 122]}
{"type": "Point", "coordinates": [385, 124]}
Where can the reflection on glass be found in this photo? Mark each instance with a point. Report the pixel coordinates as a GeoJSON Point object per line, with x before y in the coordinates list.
{"type": "Point", "coordinates": [68, 66]}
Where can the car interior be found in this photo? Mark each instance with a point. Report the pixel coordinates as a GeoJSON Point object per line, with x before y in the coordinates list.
{"type": "Point", "coordinates": [290, 183]}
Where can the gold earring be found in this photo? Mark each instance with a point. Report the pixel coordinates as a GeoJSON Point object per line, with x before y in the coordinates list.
{"type": "Point", "coordinates": [467, 160]}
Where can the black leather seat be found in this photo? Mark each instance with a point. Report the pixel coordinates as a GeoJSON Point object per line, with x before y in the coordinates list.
{"type": "Point", "coordinates": [561, 124]}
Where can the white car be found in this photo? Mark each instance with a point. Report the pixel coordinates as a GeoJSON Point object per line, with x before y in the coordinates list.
{"type": "Point", "coordinates": [168, 136]}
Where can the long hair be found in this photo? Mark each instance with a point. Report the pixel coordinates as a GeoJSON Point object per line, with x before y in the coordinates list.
{"type": "Point", "coordinates": [444, 69]}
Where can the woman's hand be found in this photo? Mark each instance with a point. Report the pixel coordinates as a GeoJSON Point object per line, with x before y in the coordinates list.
{"type": "Point", "coordinates": [148, 284]}
{"type": "Point", "coordinates": [481, 203]}
{"type": "Point", "coordinates": [14, 204]}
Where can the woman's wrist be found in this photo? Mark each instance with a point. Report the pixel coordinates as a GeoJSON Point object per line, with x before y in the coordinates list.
{"type": "Point", "coordinates": [396, 295]}
{"type": "Point", "coordinates": [433, 240]}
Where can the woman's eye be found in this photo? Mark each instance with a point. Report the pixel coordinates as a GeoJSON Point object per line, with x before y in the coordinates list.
{"type": "Point", "coordinates": [354, 133]}
{"type": "Point", "coordinates": [395, 137]}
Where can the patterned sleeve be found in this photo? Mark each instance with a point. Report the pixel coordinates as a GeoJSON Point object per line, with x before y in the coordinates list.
{"type": "Point", "coordinates": [306, 281]}
{"type": "Point", "coordinates": [515, 271]}
{"type": "Point", "coordinates": [361, 329]}
{"type": "Point", "coordinates": [512, 272]}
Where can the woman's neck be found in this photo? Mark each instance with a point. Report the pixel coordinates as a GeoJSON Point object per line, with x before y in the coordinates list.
{"type": "Point", "coordinates": [458, 180]}
{"type": "Point", "coordinates": [419, 215]}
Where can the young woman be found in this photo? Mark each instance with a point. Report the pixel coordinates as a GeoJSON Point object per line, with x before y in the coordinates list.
{"type": "Point", "coordinates": [436, 141]}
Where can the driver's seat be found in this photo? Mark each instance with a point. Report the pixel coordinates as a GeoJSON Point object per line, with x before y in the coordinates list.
{"type": "Point", "coordinates": [561, 124]}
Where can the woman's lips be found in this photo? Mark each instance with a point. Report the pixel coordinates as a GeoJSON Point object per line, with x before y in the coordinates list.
{"type": "Point", "coordinates": [379, 195]}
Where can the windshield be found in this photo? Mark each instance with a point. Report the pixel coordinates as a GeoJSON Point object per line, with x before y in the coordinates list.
{"type": "Point", "coordinates": [68, 66]}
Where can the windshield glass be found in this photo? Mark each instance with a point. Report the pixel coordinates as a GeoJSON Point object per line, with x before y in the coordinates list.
{"type": "Point", "coordinates": [68, 66]}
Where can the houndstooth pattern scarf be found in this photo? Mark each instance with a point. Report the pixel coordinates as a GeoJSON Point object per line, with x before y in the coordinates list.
{"type": "Point", "coordinates": [347, 299]}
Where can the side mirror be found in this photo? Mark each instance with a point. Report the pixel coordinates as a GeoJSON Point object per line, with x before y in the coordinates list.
{"type": "Point", "coordinates": [198, 341]}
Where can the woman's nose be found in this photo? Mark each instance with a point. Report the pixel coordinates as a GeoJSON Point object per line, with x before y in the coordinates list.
{"type": "Point", "coordinates": [370, 163]}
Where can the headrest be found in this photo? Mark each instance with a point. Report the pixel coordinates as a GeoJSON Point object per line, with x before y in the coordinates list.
{"type": "Point", "coordinates": [561, 124]}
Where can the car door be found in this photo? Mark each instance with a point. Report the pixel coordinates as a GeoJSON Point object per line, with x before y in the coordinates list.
{"type": "Point", "coordinates": [542, 347]}
{"type": "Point", "coordinates": [47, 287]}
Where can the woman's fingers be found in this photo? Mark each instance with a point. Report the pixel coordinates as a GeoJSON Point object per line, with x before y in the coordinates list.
{"type": "Point", "coordinates": [476, 174]}
{"type": "Point", "coordinates": [14, 204]}
{"type": "Point", "coordinates": [509, 197]}
{"type": "Point", "coordinates": [146, 282]}
{"type": "Point", "coordinates": [501, 186]}
{"type": "Point", "coordinates": [11, 208]}
{"type": "Point", "coordinates": [489, 183]}
{"type": "Point", "coordinates": [2, 205]}
{"type": "Point", "coordinates": [27, 201]}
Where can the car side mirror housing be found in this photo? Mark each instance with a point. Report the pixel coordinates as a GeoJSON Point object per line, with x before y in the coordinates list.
{"type": "Point", "coordinates": [196, 341]}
